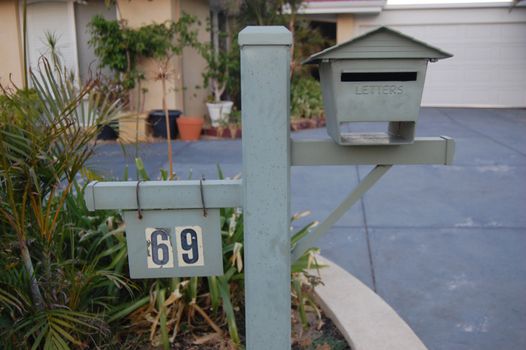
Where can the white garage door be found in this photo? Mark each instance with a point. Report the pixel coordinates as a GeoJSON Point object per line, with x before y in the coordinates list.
{"type": "Point", "coordinates": [489, 47]}
{"type": "Point", "coordinates": [488, 67]}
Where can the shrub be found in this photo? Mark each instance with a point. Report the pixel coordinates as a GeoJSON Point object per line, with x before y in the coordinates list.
{"type": "Point", "coordinates": [120, 47]}
{"type": "Point", "coordinates": [62, 274]}
{"type": "Point", "coordinates": [46, 136]}
{"type": "Point", "coordinates": [306, 98]}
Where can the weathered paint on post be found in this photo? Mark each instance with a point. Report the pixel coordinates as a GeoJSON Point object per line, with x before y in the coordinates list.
{"type": "Point", "coordinates": [265, 65]}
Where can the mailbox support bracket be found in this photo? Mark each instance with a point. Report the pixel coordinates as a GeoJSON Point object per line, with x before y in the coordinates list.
{"type": "Point", "coordinates": [372, 178]}
{"type": "Point", "coordinates": [425, 150]}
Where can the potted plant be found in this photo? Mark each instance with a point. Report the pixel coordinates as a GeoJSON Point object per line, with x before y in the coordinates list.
{"type": "Point", "coordinates": [215, 77]}
{"type": "Point", "coordinates": [234, 124]}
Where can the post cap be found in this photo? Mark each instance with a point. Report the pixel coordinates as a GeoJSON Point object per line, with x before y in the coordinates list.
{"type": "Point", "coordinates": [265, 35]}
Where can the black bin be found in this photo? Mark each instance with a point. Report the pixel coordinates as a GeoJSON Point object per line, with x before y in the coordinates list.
{"type": "Point", "coordinates": [156, 120]}
{"type": "Point", "coordinates": [108, 132]}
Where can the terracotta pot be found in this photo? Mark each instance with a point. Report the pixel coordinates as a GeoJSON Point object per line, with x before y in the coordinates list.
{"type": "Point", "coordinates": [190, 127]}
{"type": "Point", "coordinates": [233, 131]}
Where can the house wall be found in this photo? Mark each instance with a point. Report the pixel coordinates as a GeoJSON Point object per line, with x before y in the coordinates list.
{"type": "Point", "coordinates": [184, 72]}
{"type": "Point", "coordinates": [193, 63]}
{"type": "Point", "coordinates": [66, 20]}
{"type": "Point", "coordinates": [11, 54]}
{"type": "Point", "coordinates": [142, 12]}
{"type": "Point", "coordinates": [69, 20]}
{"type": "Point", "coordinates": [84, 12]}
{"type": "Point", "coordinates": [345, 26]}
{"type": "Point", "coordinates": [488, 44]}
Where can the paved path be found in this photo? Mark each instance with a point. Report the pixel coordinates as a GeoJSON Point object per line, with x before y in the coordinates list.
{"type": "Point", "coordinates": [445, 246]}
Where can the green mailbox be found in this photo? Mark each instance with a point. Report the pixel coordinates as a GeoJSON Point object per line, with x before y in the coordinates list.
{"type": "Point", "coordinates": [376, 77]}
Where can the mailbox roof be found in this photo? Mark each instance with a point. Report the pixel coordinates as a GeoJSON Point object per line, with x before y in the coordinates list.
{"type": "Point", "coordinates": [383, 42]}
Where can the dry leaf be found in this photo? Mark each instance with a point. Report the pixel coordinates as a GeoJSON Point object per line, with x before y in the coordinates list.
{"type": "Point", "coordinates": [324, 346]}
{"type": "Point", "coordinates": [207, 338]}
{"type": "Point", "coordinates": [305, 341]}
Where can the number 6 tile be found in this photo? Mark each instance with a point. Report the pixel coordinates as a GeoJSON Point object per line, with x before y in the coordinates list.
{"type": "Point", "coordinates": [159, 247]}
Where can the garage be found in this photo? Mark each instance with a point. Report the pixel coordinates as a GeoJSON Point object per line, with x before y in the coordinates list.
{"type": "Point", "coordinates": [488, 67]}
{"type": "Point", "coordinates": [488, 42]}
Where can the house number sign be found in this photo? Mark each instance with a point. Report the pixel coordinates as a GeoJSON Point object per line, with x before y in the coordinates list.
{"type": "Point", "coordinates": [174, 243]}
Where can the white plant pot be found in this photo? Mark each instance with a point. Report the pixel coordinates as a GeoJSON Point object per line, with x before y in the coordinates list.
{"type": "Point", "coordinates": [219, 111]}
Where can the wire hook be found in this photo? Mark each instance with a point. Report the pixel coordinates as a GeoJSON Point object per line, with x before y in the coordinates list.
{"type": "Point", "coordinates": [139, 210]}
{"type": "Point", "coordinates": [205, 212]}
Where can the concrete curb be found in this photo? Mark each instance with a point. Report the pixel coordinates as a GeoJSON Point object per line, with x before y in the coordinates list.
{"type": "Point", "coordinates": [366, 321]}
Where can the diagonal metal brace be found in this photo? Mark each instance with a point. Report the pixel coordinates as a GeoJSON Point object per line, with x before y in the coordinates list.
{"type": "Point", "coordinates": [307, 242]}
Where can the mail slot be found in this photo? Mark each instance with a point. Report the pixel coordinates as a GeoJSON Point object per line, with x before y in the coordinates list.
{"type": "Point", "coordinates": [377, 77]}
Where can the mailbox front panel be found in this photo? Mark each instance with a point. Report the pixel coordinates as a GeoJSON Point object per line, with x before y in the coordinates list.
{"type": "Point", "coordinates": [174, 243]}
{"type": "Point", "coordinates": [377, 90]}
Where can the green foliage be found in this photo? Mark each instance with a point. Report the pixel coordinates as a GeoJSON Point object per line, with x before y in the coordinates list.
{"type": "Point", "coordinates": [219, 65]}
{"type": "Point", "coordinates": [112, 44]}
{"type": "Point", "coordinates": [306, 98]}
{"type": "Point", "coordinates": [233, 87]}
{"type": "Point", "coordinates": [80, 276]}
{"type": "Point", "coordinates": [263, 12]}
{"type": "Point", "coordinates": [328, 342]}
{"type": "Point", "coordinates": [120, 47]}
{"type": "Point", "coordinates": [46, 137]}
{"type": "Point", "coordinates": [62, 268]}
{"type": "Point", "coordinates": [52, 290]}
{"type": "Point", "coordinates": [235, 117]}
{"type": "Point", "coordinates": [307, 38]}
{"type": "Point", "coordinates": [89, 302]}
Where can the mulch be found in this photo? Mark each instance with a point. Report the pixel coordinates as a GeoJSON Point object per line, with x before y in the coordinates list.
{"type": "Point", "coordinates": [320, 336]}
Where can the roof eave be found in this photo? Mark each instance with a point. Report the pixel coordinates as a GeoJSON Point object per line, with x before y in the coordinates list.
{"type": "Point", "coordinates": [338, 7]}
{"type": "Point", "coordinates": [437, 53]}
{"type": "Point", "coordinates": [317, 60]}
{"type": "Point", "coordinates": [340, 10]}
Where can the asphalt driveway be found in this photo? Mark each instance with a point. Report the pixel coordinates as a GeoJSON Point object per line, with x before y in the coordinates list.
{"type": "Point", "coordinates": [444, 245]}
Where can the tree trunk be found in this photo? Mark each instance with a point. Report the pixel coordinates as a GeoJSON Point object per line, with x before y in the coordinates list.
{"type": "Point", "coordinates": [292, 24]}
{"type": "Point", "coordinates": [36, 295]}
{"type": "Point", "coordinates": [168, 133]}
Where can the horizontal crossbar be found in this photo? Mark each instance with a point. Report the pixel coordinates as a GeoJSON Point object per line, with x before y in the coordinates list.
{"type": "Point", "coordinates": [164, 194]}
{"type": "Point", "coordinates": [425, 150]}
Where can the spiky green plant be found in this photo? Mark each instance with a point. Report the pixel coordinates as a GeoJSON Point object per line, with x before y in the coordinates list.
{"type": "Point", "coordinates": [46, 135]}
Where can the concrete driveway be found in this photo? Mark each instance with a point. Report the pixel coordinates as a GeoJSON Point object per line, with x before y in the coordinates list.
{"type": "Point", "coordinates": [445, 246]}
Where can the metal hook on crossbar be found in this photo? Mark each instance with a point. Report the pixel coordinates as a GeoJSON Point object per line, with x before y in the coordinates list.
{"type": "Point", "coordinates": [93, 192]}
{"type": "Point", "coordinates": [139, 211]}
{"type": "Point", "coordinates": [205, 212]}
